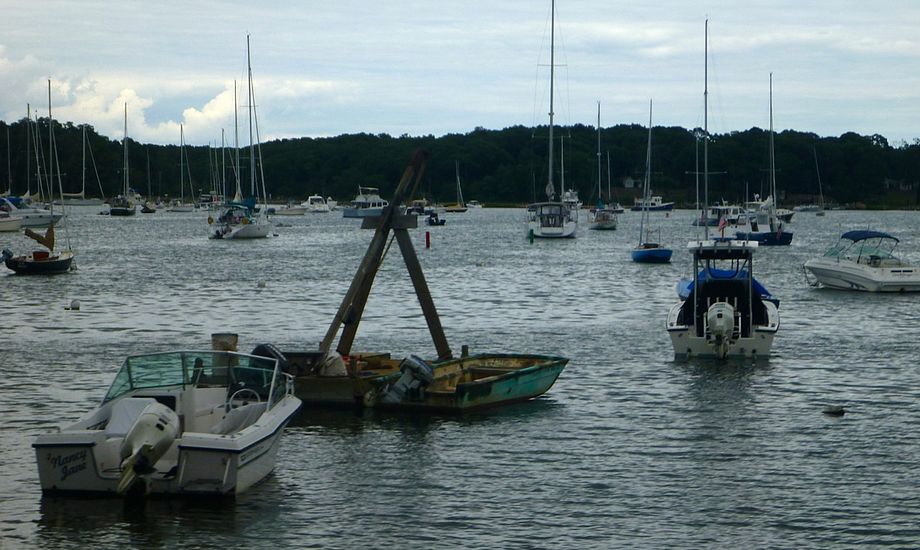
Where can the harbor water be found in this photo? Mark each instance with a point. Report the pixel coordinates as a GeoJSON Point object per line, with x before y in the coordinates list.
{"type": "Point", "coordinates": [630, 448]}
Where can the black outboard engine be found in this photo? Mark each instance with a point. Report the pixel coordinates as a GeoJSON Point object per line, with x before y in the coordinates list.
{"type": "Point", "coordinates": [272, 351]}
{"type": "Point", "coordinates": [416, 376]}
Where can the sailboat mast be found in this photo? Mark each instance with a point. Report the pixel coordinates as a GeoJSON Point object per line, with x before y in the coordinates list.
{"type": "Point", "coordinates": [814, 150]}
{"type": "Point", "coordinates": [9, 163]}
{"type": "Point", "coordinates": [236, 130]}
{"type": "Point", "coordinates": [646, 191]}
{"type": "Point", "coordinates": [552, 75]}
{"type": "Point", "coordinates": [83, 187]}
{"type": "Point", "coordinates": [772, 159]}
{"type": "Point", "coordinates": [609, 196]}
{"type": "Point", "coordinates": [181, 166]}
{"type": "Point", "coordinates": [223, 164]}
{"type": "Point", "coordinates": [598, 151]}
{"type": "Point", "coordinates": [252, 155]}
{"type": "Point", "coordinates": [706, 131]}
{"type": "Point", "coordinates": [50, 151]}
{"type": "Point", "coordinates": [125, 147]}
{"type": "Point", "coordinates": [28, 145]}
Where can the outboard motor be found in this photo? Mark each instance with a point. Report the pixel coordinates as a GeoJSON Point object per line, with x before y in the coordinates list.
{"type": "Point", "coordinates": [416, 375]}
{"type": "Point", "coordinates": [720, 318]}
{"type": "Point", "coordinates": [146, 442]}
{"type": "Point", "coordinates": [6, 254]}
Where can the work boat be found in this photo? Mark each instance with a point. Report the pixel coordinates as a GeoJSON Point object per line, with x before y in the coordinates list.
{"type": "Point", "coordinates": [723, 316]}
{"type": "Point", "coordinates": [176, 423]}
{"type": "Point", "coordinates": [864, 260]}
{"type": "Point", "coordinates": [367, 203]}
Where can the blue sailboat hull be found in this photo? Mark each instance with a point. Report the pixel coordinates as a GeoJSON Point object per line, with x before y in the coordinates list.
{"type": "Point", "coordinates": [652, 255]}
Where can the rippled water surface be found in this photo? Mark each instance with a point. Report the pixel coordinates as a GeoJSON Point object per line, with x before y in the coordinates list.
{"type": "Point", "coordinates": [629, 448]}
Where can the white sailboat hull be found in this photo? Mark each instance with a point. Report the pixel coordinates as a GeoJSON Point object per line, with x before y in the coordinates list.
{"type": "Point", "coordinates": [565, 231]}
{"type": "Point", "coordinates": [258, 230]}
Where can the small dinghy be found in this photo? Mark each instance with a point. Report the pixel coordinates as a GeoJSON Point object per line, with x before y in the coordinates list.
{"type": "Point", "coordinates": [174, 423]}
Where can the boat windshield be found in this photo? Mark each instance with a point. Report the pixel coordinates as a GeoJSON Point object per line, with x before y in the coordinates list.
{"type": "Point", "coordinates": [200, 368]}
{"type": "Point", "coordinates": [863, 250]}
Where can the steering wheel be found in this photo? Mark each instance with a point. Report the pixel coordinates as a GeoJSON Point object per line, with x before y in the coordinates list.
{"type": "Point", "coordinates": [238, 395]}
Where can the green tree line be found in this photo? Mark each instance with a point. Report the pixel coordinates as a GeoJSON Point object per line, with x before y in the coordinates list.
{"type": "Point", "coordinates": [507, 166]}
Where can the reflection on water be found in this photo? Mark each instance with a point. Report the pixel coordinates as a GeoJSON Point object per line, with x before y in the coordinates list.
{"type": "Point", "coordinates": [629, 448]}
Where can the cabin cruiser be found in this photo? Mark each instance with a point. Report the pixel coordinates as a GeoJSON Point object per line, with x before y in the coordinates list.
{"type": "Point", "coordinates": [723, 315]}
{"type": "Point", "coordinates": [864, 260]}
{"type": "Point", "coordinates": [175, 423]}
{"type": "Point", "coordinates": [367, 203]}
{"type": "Point", "coordinates": [316, 204]}
{"type": "Point", "coordinates": [654, 203]}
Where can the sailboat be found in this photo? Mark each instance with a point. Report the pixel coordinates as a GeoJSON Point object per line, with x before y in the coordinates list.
{"type": "Point", "coordinates": [552, 218]}
{"type": "Point", "coordinates": [80, 199]}
{"type": "Point", "coordinates": [180, 205]}
{"type": "Point", "coordinates": [460, 206]}
{"type": "Point", "coordinates": [723, 312]}
{"type": "Point", "coordinates": [649, 250]}
{"type": "Point", "coordinates": [818, 209]}
{"type": "Point", "coordinates": [123, 204]}
{"type": "Point", "coordinates": [237, 219]}
{"type": "Point", "coordinates": [45, 262]}
{"type": "Point", "coordinates": [602, 217]}
{"type": "Point", "coordinates": [774, 233]}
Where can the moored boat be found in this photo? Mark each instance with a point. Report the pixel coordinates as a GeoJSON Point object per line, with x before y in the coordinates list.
{"type": "Point", "coordinates": [864, 260]}
{"type": "Point", "coordinates": [723, 316]}
{"type": "Point", "coordinates": [367, 203]}
{"type": "Point", "coordinates": [174, 423]}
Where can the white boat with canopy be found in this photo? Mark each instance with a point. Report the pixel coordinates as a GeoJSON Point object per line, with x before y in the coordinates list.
{"type": "Point", "coordinates": [175, 423]}
{"type": "Point", "coordinates": [864, 260]}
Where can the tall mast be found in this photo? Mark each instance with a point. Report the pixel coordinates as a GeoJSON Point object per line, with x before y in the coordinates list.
{"type": "Point", "coordinates": [125, 146]}
{"type": "Point", "coordinates": [609, 196]}
{"type": "Point", "coordinates": [28, 145]}
{"type": "Point", "coordinates": [50, 171]}
{"type": "Point", "coordinates": [181, 166]}
{"type": "Point", "coordinates": [223, 165]}
{"type": "Point", "coordinates": [552, 74]}
{"type": "Point", "coordinates": [599, 151]}
{"type": "Point", "coordinates": [236, 129]}
{"type": "Point", "coordinates": [9, 163]}
{"type": "Point", "coordinates": [83, 188]}
{"type": "Point", "coordinates": [646, 192]}
{"type": "Point", "coordinates": [252, 149]}
{"type": "Point", "coordinates": [772, 159]}
{"type": "Point", "coordinates": [706, 130]}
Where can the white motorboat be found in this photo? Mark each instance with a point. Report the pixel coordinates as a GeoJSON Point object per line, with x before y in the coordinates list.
{"type": "Point", "coordinates": [473, 204]}
{"type": "Point", "coordinates": [176, 423]}
{"type": "Point", "coordinates": [723, 316]}
{"type": "Point", "coordinates": [316, 204]}
{"type": "Point", "coordinates": [864, 260]}
{"type": "Point", "coordinates": [31, 216]}
{"type": "Point", "coordinates": [367, 203]}
{"type": "Point", "coordinates": [9, 223]}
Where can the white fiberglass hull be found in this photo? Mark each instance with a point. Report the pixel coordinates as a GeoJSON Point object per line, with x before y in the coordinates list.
{"type": "Point", "coordinates": [291, 211]}
{"type": "Point", "coordinates": [846, 275]}
{"type": "Point", "coordinates": [79, 460]}
{"type": "Point", "coordinates": [258, 230]}
{"type": "Point", "coordinates": [565, 231]}
{"type": "Point", "coordinates": [688, 344]}
{"type": "Point", "coordinates": [10, 224]}
{"type": "Point", "coordinates": [361, 212]}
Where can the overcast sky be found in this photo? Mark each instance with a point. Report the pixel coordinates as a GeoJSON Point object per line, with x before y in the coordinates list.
{"type": "Point", "coordinates": [324, 68]}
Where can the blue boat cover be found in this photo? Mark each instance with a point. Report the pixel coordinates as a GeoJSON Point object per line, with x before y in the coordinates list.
{"type": "Point", "coordinates": [863, 234]}
{"type": "Point", "coordinates": [684, 285]}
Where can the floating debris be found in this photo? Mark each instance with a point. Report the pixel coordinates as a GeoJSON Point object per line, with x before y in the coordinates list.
{"type": "Point", "coordinates": [834, 410]}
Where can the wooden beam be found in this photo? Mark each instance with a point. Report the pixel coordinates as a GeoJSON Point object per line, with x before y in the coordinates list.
{"type": "Point", "coordinates": [423, 294]}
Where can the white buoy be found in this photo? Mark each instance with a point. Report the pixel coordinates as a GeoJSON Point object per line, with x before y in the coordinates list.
{"type": "Point", "coordinates": [74, 305]}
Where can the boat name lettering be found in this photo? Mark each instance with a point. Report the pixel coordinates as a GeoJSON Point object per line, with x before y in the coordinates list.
{"type": "Point", "coordinates": [69, 463]}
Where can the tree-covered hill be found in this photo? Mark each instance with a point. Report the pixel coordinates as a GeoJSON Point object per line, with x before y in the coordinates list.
{"type": "Point", "coordinates": [502, 166]}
